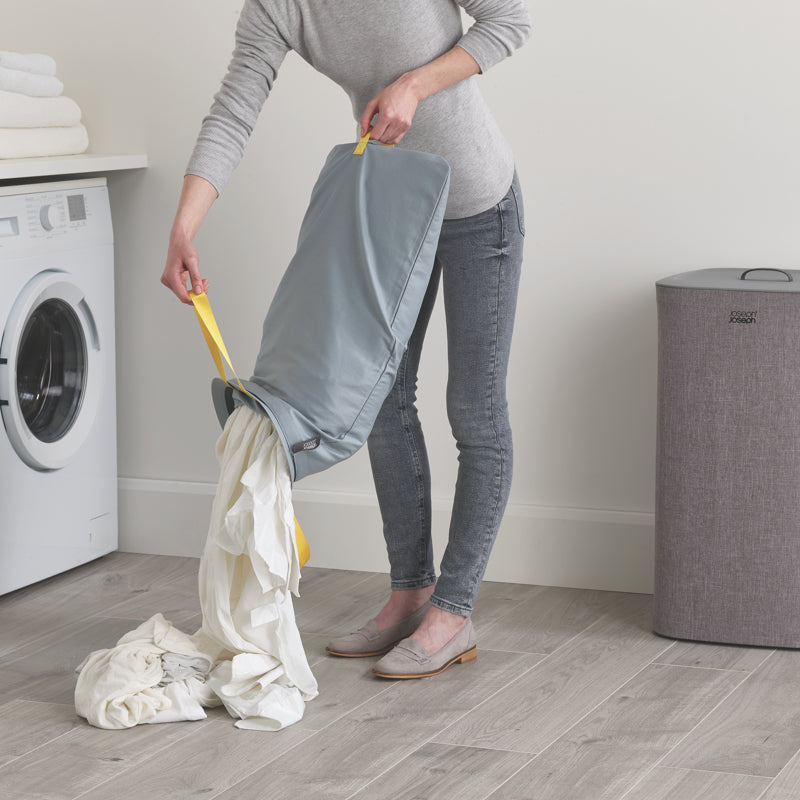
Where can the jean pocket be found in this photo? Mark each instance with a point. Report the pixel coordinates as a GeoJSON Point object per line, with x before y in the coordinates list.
{"type": "Point", "coordinates": [516, 193]}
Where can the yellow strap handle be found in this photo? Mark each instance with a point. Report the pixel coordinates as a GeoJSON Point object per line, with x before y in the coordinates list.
{"type": "Point", "coordinates": [362, 144]}
{"type": "Point", "coordinates": [205, 316]}
{"type": "Point", "coordinates": [303, 550]}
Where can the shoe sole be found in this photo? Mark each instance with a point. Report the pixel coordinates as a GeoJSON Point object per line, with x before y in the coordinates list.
{"type": "Point", "coordinates": [469, 655]}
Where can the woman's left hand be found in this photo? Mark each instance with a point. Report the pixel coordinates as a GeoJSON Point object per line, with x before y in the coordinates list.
{"type": "Point", "coordinates": [397, 103]}
{"type": "Point", "coordinates": [395, 107]}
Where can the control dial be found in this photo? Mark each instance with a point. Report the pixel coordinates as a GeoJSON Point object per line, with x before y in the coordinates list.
{"type": "Point", "coordinates": [45, 217]}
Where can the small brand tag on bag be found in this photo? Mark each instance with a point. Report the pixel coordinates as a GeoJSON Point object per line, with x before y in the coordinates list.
{"type": "Point", "coordinates": [308, 444]}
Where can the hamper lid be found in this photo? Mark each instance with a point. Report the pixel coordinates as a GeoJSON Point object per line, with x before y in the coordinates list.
{"type": "Point", "coordinates": [757, 279]}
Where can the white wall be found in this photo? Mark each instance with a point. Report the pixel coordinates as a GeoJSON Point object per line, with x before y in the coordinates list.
{"type": "Point", "coordinates": [652, 137]}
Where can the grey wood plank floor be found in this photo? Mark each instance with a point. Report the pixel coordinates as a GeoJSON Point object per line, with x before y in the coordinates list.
{"type": "Point", "coordinates": [572, 697]}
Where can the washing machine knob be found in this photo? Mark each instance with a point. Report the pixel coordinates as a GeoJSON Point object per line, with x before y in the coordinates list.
{"type": "Point", "coordinates": [44, 217]}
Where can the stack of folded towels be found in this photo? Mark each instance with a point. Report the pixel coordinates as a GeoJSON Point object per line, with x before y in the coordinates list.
{"type": "Point", "coordinates": [35, 118]}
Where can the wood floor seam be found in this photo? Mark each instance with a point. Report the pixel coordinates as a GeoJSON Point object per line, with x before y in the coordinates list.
{"type": "Point", "coordinates": [508, 611]}
{"type": "Point", "coordinates": [317, 731]}
{"type": "Point", "coordinates": [591, 710]}
{"type": "Point", "coordinates": [510, 777]}
{"type": "Point", "coordinates": [641, 779]}
{"type": "Point", "coordinates": [495, 693]}
{"type": "Point", "coordinates": [48, 743]}
{"type": "Point", "coordinates": [38, 702]}
{"type": "Point", "coordinates": [788, 768]}
{"type": "Point", "coordinates": [260, 766]}
{"type": "Point", "coordinates": [136, 620]}
{"type": "Point", "coordinates": [434, 740]}
{"type": "Point", "coordinates": [716, 772]}
{"type": "Point", "coordinates": [744, 672]}
{"type": "Point", "coordinates": [768, 787]}
{"type": "Point", "coordinates": [383, 772]}
{"type": "Point", "coordinates": [326, 600]}
{"type": "Point", "coordinates": [658, 763]}
{"type": "Point", "coordinates": [515, 652]}
{"type": "Point", "coordinates": [597, 622]}
{"type": "Point", "coordinates": [30, 648]}
{"type": "Point", "coordinates": [355, 708]}
{"type": "Point", "coordinates": [193, 730]}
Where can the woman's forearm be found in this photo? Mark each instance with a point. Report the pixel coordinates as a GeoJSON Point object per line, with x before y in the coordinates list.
{"type": "Point", "coordinates": [453, 66]}
{"type": "Point", "coordinates": [197, 197]}
{"type": "Point", "coordinates": [397, 103]}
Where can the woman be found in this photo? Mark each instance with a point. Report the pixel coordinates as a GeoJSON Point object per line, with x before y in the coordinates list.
{"type": "Point", "coordinates": [409, 71]}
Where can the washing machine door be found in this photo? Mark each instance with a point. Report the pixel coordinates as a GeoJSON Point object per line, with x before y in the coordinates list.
{"type": "Point", "coordinates": [50, 371]}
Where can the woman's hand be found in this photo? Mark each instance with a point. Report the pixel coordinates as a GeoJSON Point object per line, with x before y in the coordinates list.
{"type": "Point", "coordinates": [395, 107]}
{"type": "Point", "coordinates": [183, 262]}
{"type": "Point", "coordinates": [397, 103]}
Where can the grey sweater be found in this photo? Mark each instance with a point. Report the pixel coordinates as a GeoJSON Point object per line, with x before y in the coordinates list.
{"type": "Point", "coordinates": [364, 45]}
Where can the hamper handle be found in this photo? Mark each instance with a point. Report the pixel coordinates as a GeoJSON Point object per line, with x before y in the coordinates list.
{"type": "Point", "coordinates": [362, 144]}
{"type": "Point", "coordinates": [789, 278]}
{"type": "Point", "coordinates": [205, 316]}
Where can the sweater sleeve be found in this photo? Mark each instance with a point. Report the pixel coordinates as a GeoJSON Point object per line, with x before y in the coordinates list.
{"type": "Point", "coordinates": [259, 51]}
{"type": "Point", "coordinates": [500, 27]}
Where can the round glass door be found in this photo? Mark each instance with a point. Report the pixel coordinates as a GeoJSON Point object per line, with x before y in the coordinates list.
{"type": "Point", "coordinates": [50, 371]}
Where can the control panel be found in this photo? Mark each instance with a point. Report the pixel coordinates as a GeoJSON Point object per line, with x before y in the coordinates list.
{"type": "Point", "coordinates": [70, 215]}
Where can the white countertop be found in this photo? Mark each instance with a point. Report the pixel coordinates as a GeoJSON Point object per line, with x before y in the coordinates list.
{"type": "Point", "coordinates": [12, 168]}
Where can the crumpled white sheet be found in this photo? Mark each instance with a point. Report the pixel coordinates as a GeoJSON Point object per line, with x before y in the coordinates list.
{"type": "Point", "coordinates": [137, 681]}
{"type": "Point", "coordinates": [248, 572]}
{"type": "Point", "coordinates": [248, 654]}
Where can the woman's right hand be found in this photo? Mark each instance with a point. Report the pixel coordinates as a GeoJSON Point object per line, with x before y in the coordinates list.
{"type": "Point", "coordinates": [183, 262]}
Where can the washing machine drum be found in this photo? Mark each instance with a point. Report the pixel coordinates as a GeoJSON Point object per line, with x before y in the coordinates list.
{"type": "Point", "coordinates": [49, 381]}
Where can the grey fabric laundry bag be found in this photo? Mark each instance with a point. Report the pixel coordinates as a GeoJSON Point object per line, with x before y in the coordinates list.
{"type": "Point", "coordinates": [347, 304]}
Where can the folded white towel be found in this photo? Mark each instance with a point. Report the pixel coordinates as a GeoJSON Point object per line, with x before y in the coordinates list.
{"type": "Point", "coordinates": [34, 142]}
{"type": "Point", "coordinates": [23, 111]}
{"type": "Point", "coordinates": [17, 80]}
{"type": "Point", "coordinates": [28, 62]}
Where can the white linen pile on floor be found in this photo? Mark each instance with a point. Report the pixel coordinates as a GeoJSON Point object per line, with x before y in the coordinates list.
{"type": "Point", "coordinates": [154, 674]}
{"type": "Point", "coordinates": [35, 118]}
{"type": "Point", "coordinates": [248, 654]}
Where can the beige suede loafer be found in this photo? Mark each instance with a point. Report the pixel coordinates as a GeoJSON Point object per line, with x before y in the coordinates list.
{"type": "Point", "coordinates": [409, 659]}
{"type": "Point", "coordinates": [369, 641]}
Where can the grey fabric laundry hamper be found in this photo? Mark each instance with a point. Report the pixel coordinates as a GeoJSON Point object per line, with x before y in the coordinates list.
{"type": "Point", "coordinates": [728, 457]}
{"type": "Point", "coordinates": [343, 313]}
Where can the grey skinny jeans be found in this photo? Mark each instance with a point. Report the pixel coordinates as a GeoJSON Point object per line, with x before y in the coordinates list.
{"type": "Point", "coordinates": [479, 260]}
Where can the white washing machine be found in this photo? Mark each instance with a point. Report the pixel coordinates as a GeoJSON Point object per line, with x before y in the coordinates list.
{"type": "Point", "coordinates": [58, 454]}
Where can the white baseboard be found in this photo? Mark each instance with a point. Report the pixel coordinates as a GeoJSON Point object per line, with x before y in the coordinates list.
{"type": "Point", "coordinates": [583, 548]}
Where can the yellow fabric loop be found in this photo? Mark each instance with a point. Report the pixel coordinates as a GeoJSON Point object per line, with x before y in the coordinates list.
{"type": "Point", "coordinates": [362, 144]}
{"type": "Point", "coordinates": [205, 316]}
{"type": "Point", "coordinates": [303, 550]}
